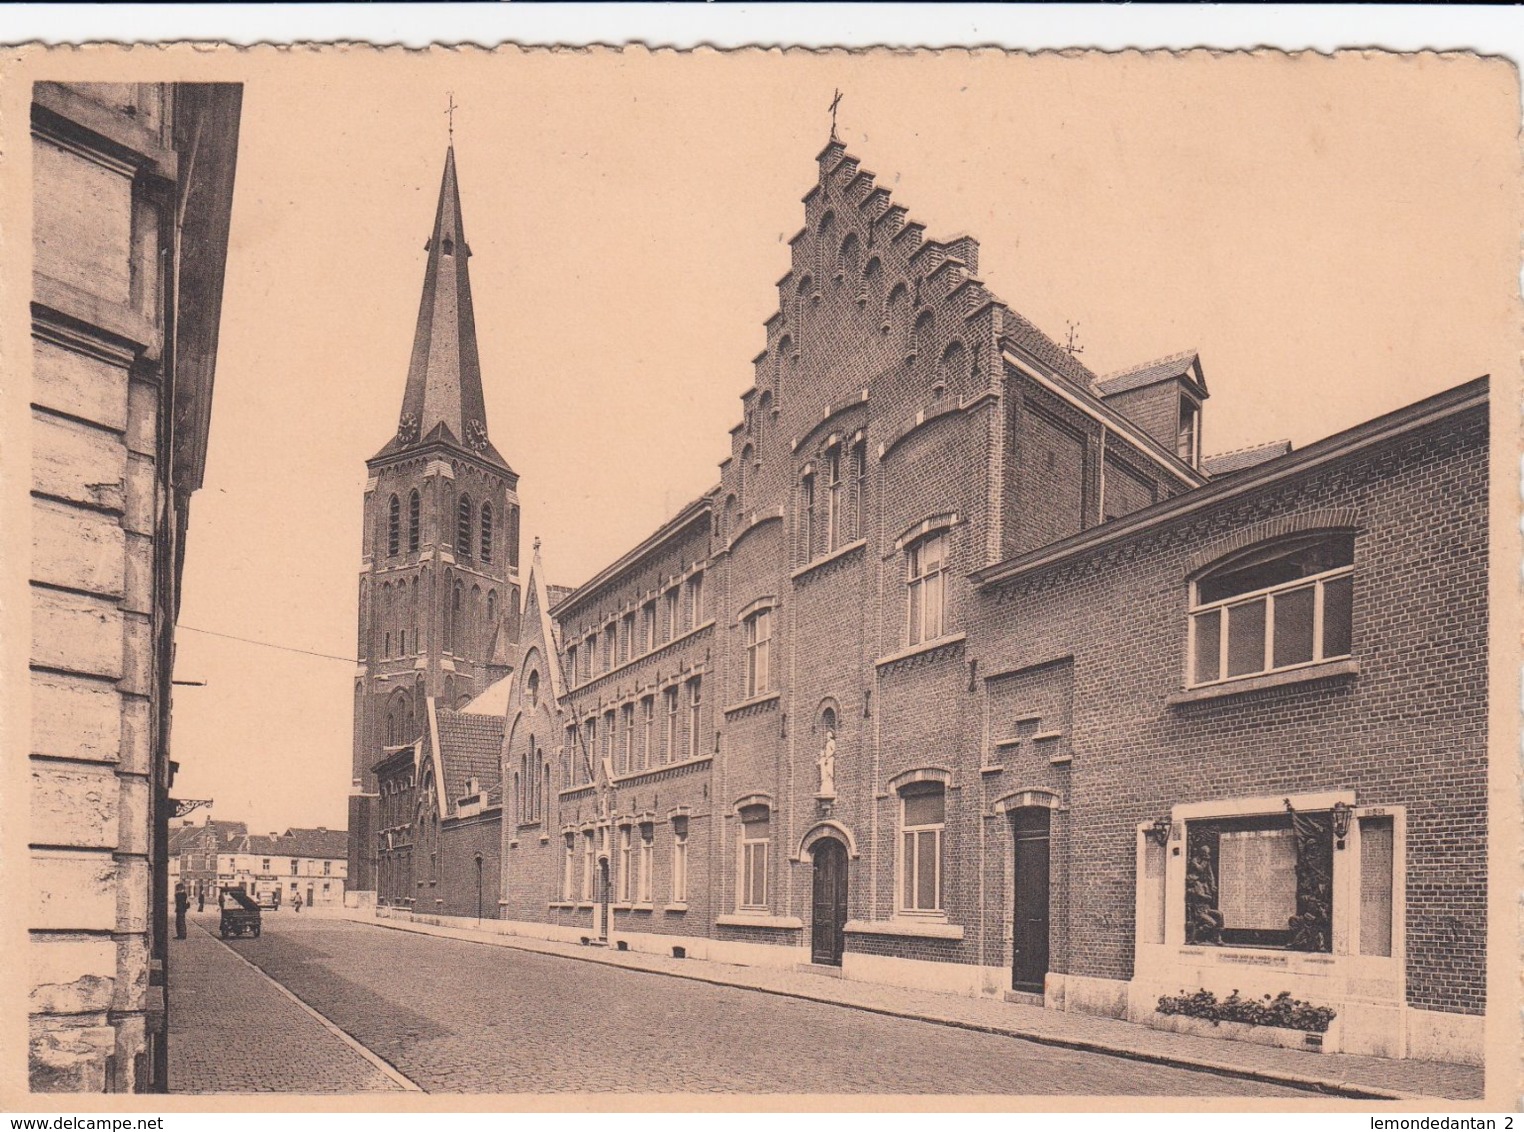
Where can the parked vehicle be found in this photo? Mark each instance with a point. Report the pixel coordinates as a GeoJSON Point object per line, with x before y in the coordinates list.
{"type": "Point", "coordinates": [240, 913]}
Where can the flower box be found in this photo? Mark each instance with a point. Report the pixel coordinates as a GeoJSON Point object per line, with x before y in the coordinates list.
{"type": "Point", "coordinates": [1247, 1032]}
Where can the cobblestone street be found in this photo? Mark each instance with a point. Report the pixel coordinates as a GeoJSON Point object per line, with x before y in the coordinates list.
{"type": "Point", "coordinates": [459, 1017]}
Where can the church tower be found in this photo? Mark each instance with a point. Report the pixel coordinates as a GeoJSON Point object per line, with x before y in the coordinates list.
{"type": "Point", "coordinates": [439, 565]}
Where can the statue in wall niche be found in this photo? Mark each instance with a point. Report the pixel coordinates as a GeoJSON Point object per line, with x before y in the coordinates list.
{"type": "Point", "coordinates": [827, 765]}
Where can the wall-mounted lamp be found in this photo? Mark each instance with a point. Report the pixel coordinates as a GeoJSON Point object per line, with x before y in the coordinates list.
{"type": "Point", "coordinates": [1158, 831]}
{"type": "Point", "coordinates": [1341, 815]}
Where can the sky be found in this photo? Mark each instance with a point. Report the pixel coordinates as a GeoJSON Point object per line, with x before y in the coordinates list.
{"type": "Point", "coordinates": [1336, 238]}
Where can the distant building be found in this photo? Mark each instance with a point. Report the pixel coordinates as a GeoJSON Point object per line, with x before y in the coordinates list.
{"type": "Point", "coordinates": [975, 673]}
{"type": "Point", "coordinates": [132, 193]}
{"type": "Point", "coordinates": [193, 854]}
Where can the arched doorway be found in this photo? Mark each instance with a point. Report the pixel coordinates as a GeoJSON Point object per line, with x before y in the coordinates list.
{"type": "Point", "coordinates": [829, 903]}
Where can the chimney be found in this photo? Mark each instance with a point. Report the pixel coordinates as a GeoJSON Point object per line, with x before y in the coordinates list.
{"type": "Point", "coordinates": [322, 829]}
{"type": "Point", "coordinates": [273, 835]}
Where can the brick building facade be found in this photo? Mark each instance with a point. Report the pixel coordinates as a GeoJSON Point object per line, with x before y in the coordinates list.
{"type": "Point", "coordinates": [973, 672]}
{"type": "Point", "coordinates": [132, 193]}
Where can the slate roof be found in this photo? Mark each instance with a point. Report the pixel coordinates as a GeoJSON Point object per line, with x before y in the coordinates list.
{"type": "Point", "coordinates": [1136, 377]}
{"type": "Point", "coordinates": [1025, 333]}
{"type": "Point", "coordinates": [320, 843]}
{"type": "Point", "coordinates": [183, 838]}
{"type": "Point", "coordinates": [469, 746]}
{"type": "Point", "coordinates": [1225, 463]}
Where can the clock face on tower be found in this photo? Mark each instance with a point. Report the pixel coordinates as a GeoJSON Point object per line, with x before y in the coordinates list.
{"type": "Point", "coordinates": [476, 434]}
{"type": "Point", "coordinates": [407, 428]}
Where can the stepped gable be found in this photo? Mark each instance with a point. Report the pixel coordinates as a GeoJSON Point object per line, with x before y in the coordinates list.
{"type": "Point", "coordinates": [1241, 459]}
{"type": "Point", "coordinates": [856, 235]}
{"type": "Point", "coordinates": [470, 746]}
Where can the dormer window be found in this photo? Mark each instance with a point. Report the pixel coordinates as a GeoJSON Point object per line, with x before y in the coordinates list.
{"type": "Point", "coordinates": [1188, 434]}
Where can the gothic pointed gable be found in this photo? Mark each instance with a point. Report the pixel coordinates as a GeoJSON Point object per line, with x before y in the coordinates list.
{"type": "Point", "coordinates": [540, 631]}
{"type": "Point", "coordinates": [443, 401]}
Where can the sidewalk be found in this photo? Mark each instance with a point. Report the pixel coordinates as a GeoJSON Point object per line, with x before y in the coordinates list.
{"type": "Point", "coordinates": [1347, 1075]}
{"type": "Point", "coordinates": [233, 1030]}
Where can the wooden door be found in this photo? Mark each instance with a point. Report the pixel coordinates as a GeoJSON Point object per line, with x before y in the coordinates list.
{"type": "Point", "coordinates": [601, 908]}
{"type": "Point", "coordinates": [1029, 934]}
{"type": "Point", "coordinates": [828, 926]}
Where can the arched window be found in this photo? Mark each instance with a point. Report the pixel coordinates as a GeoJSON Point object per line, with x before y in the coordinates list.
{"type": "Point", "coordinates": [827, 719]}
{"type": "Point", "coordinates": [412, 522]}
{"type": "Point", "coordinates": [923, 817]}
{"type": "Point", "coordinates": [785, 354]}
{"type": "Point", "coordinates": [513, 535]}
{"type": "Point", "coordinates": [926, 583]}
{"type": "Point", "coordinates": [807, 515]}
{"type": "Point", "coordinates": [532, 689]}
{"type": "Point", "coordinates": [491, 612]}
{"type": "Point", "coordinates": [846, 260]}
{"type": "Point", "coordinates": [825, 243]}
{"type": "Point", "coordinates": [895, 305]}
{"type": "Point", "coordinates": [835, 498]}
{"type": "Point", "coordinates": [463, 527]}
{"type": "Point", "coordinates": [872, 278]}
{"type": "Point", "coordinates": [412, 611]}
{"type": "Point", "coordinates": [920, 335]}
{"type": "Point", "coordinates": [393, 527]}
{"type": "Point", "coordinates": [756, 838]}
{"type": "Point", "coordinates": [486, 532]}
{"type": "Point", "coordinates": [1275, 606]}
{"type": "Point", "coordinates": [860, 489]}
{"type": "Point", "coordinates": [951, 369]}
{"type": "Point", "coordinates": [748, 455]}
{"type": "Point", "coordinates": [801, 301]}
{"type": "Point", "coordinates": [474, 621]}
{"type": "Point", "coordinates": [758, 638]}
{"type": "Point", "coordinates": [457, 599]}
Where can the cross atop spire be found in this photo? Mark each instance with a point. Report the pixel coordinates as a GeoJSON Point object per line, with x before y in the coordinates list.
{"type": "Point", "coordinates": [443, 400]}
{"type": "Point", "coordinates": [450, 110]}
{"type": "Point", "coordinates": [835, 102]}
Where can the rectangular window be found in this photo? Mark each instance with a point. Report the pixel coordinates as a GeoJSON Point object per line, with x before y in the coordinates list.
{"type": "Point", "coordinates": [571, 660]}
{"type": "Point", "coordinates": [647, 859]}
{"type": "Point", "coordinates": [647, 731]}
{"type": "Point", "coordinates": [695, 601]}
{"type": "Point", "coordinates": [759, 636]}
{"type": "Point", "coordinates": [695, 703]}
{"type": "Point", "coordinates": [1188, 438]}
{"type": "Point", "coordinates": [589, 656]}
{"type": "Point", "coordinates": [627, 743]}
{"type": "Point", "coordinates": [648, 626]}
{"type": "Point", "coordinates": [328, 868]}
{"type": "Point", "coordinates": [569, 869]}
{"type": "Point", "coordinates": [624, 864]}
{"type": "Point", "coordinates": [669, 746]}
{"type": "Point", "coordinates": [609, 737]}
{"type": "Point", "coordinates": [610, 639]}
{"type": "Point", "coordinates": [807, 516]}
{"type": "Point", "coordinates": [627, 637]}
{"type": "Point", "coordinates": [590, 747]}
{"type": "Point", "coordinates": [927, 572]}
{"type": "Point", "coordinates": [589, 861]}
{"type": "Point", "coordinates": [755, 837]}
{"type": "Point", "coordinates": [669, 605]}
{"type": "Point", "coordinates": [922, 819]}
{"type": "Point", "coordinates": [265, 865]}
{"type": "Point", "coordinates": [1276, 608]}
{"type": "Point", "coordinates": [680, 860]}
{"type": "Point", "coordinates": [833, 499]}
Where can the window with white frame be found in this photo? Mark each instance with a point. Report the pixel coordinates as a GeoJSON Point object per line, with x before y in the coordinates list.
{"type": "Point", "coordinates": [647, 731]}
{"type": "Point", "coordinates": [834, 491]}
{"type": "Point", "coordinates": [756, 835]}
{"type": "Point", "coordinates": [625, 849]}
{"type": "Point", "coordinates": [695, 600]}
{"type": "Point", "coordinates": [589, 862]}
{"type": "Point", "coordinates": [610, 735]}
{"type": "Point", "coordinates": [1272, 608]}
{"type": "Point", "coordinates": [569, 869]}
{"type": "Point", "coordinates": [680, 860]}
{"type": "Point", "coordinates": [758, 635]}
{"type": "Point", "coordinates": [926, 580]}
{"type": "Point", "coordinates": [807, 515]}
{"type": "Point", "coordinates": [647, 860]}
{"type": "Point", "coordinates": [669, 706]}
{"type": "Point", "coordinates": [695, 704]}
{"type": "Point", "coordinates": [923, 816]}
{"type": "Point", "coordinates": [669, 614]}
{"type": "Point", "coordinates": [648, 626]}
{"type": "Point", "coordinates": [627, 738]}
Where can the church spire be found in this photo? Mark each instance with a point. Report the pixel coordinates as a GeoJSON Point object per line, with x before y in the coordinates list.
{"type": "Point", "coordinates": [443, 400]}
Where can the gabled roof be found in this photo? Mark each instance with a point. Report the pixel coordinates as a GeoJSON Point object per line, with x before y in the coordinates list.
{"type": "Point", "coordinates": [1237, 460]}
{"type": "Point", "coordinates": [539, 627]}
{"type": "Point", "coordinates": [320, 843]}
{"type": "Point", "coordinates": [443, 401]}
{"type": "Point", "coordinates": [470, 746]}
{"type": "Point", "coordinates": [493, 700]}
{"type": "Point", "coordinates": [1182, 364]}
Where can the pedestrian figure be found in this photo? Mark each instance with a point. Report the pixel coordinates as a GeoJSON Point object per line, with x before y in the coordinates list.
{"type": "Point", "coordinates": [182, 906]}
{"type": "Point", "coordinates": [201, 898]}
{"type": "Point", "coordinates": [296, 905]}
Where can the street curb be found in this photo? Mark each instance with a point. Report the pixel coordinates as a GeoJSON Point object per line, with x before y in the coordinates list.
{"type": "Point", "coordinates": [1324, 1085]}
